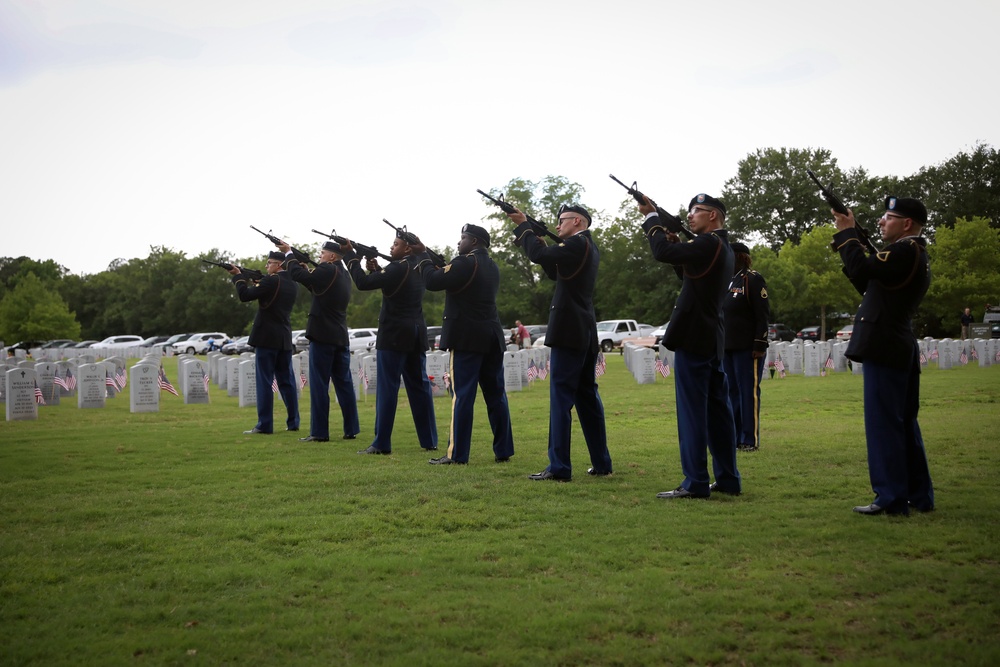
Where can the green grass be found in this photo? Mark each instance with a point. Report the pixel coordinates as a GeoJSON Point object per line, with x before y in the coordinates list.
{"type": "Point", "coordinates": [171, 538]}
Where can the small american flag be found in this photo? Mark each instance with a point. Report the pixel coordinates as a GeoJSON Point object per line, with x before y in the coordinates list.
{"type": "Point", "coordinates": [302, 379]}
{"type": "Point", "coordinates": [39, 399]}
{"type": "Point", "coordinates": [274, 385]}
{"type": "Point", "coordinates": [165, 383]}
{"type": "Point", "coordinates": [662, 368]}
{"type": "Point", "coordinates": [57, 380]}
{"type": "Point", "coordinates": [975, 355]}
{"type": "Point", "coordinates": [923, 358]}
{"type": "Point", "coordinates": [110, 381]}
{"type": "Point", "coordinates": [121, 379]}
{"type": "Point", "coordinates": [447, 381]}
{"type": "Point", "coordinates": [70, 380]}
{"type": "Point", "coordinates": [780, 365]}
{"type": "Point", "coordinates": [934, 354]}
{"type": "Point", "coordinates": [964, 357]}
{"type": "Point", "coordinates": [997, 357]}
{"type": "Point", "coordinates": [532, 370]}
{"type": "Point", "coordinates": [601, 366]}
{"type": "Point", "coordinates": [829, 360]}
{"type": "Point", "coordinates": [205, 380]}
{"type": "Point", "coordinates": [544, 371]}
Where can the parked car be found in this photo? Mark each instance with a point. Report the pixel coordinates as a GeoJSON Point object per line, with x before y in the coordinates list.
{"type": "Point", "coordinates": [168, 344]}
{"type": "Point", "coordinates": [646, 330]}
{"type": "Point", "coordinates": [300, 341]}
{"type": "Point", "coordinates": [119, 342]}
{"type": "Point", "coordinates": [198, 343]}
{"type": "Point", "coordinates": [779, 331]}
{"type": "Point", "coordinates": [58, 343]}
{"type": "Point", "coordinates": [238, 346]}
{"type": "Point", "coordinates": [809, 333]}
{"type": "Point", "coordinates": [845, 333]}
{"type": "Point", "coordinates": [153, 341]}
{"type": "Point", "coordinates": [538, 342]}
{"type": "Point", "coordinates": [361, 339]}
{"type": "Point", "coordinates": [24, 345]}
{"type": "Point", "coordinates": [659, 332]}
{"type": "Point", "coordinates": [84, 343]}
{"type": "Point", "coordinates": [995, 330]}
{"type": "Point", "coordinates": [535, 331]}
{"type": "Point", "coordinates": [433, 337]}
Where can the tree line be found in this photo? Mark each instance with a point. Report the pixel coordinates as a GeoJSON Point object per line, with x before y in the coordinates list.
{"type": "Point", "coordinates": [773, 207]}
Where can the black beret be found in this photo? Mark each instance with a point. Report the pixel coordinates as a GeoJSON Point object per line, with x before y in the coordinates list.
{"type": "Point", "coordinates": [739, 247]}
{"type": "Point", "coordinates": [332, 247]}
{"type": "Point", "coordinates": [707, 200]}
{"type": "Point", "coordinates": [478, 232]}
{"type": "Point", "coordinates": [274, 254]}
{"type": "Point", "coordinates": [911, 208]}
{"type": "Point", "coordinates": [575, 208]}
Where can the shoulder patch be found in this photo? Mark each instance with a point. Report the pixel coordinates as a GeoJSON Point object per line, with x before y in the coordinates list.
{"type": "Point", "coordinates": [447, 268]}
{"type": "Point", "coordinates": [763, 292]}
{"type": "Point", "coordinates": [562, 245]}
{"type": "Point", "coordinates": [883, 256]}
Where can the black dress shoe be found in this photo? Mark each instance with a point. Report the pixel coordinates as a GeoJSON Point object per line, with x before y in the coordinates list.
{"type": "Point", "coordinates": [371, 450]}
{"type": "Point", "coordinates": [747, 448]}
{"type": "Point", "coordinates": [714, 488]}
{"type": "Point", "coordinates": [430, 449]}
{"type": "Point", "coordinates": [546, 475]}
{"type": "Point", "coordinates": [599, 473]}
{"type": "Point", "coordinates": [445, 461]}
{"type": "Point", "coordinates": [256, 431]}
{"type": "Point", "coordinates": [313, 438]}
{"type": "Point", "coordinates": [501, 459]}
{"type": "Point", "coordinates": [292, 429]}
{"type": "Point", "coordinates": [872, 509]}
{"type": "Point", "coordinates": [679, 492]}
{"type": "Point", "coordinates": [351, 436]}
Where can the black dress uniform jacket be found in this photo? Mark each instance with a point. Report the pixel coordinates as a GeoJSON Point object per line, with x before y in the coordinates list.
{"type": "Point", "coordinates": [471, 322]}
{"type": "Point", "coordinates": [331, 291]}
{"type": "Point", "coordinates": [573, 265]}
{"type": "Point", "coordinates": [705, 265]}
{"type": "Point", "coordinates": [275, 297]}
{"type": "Point", "coordinates": [401, 325]}
{"type": "Point", "coordinates": [893, 283]}
{"type": "Point", "coordinates": [746, 311]}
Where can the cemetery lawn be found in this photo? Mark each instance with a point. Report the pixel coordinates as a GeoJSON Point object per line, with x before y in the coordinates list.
{"type": "Point", "coordinates": [171, 538]}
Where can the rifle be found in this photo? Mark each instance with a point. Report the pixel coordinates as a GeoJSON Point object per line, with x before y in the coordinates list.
{"type": "Point", "coordinates": [368, 252]}
{"type": "Point", "coordinates": [838, 206]}
{"type": "Point", "coordinates": [509, 208]}
{"type": "Point", "coordinates": [674, 224]}
{"type": "Point", "coordinates": [254, 274]}
{"type": "Point", "coordinates": [296, 253]}
{"type": "Point", "coordinates": [411, 239]}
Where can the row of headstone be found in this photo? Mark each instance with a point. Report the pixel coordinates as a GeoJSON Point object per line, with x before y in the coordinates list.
{"type": "Point", "coordinates": [521, 367]}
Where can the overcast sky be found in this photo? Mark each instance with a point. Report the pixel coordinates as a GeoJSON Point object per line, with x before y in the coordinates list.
{"type": "Point", "coordinates": [133, 123]}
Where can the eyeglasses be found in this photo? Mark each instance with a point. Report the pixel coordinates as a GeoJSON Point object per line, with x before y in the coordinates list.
{"type": "Point", "coordinates": [893, 216]}
{"type": "Point", "coordinates": [567, 219]}
{"type": "Point", "coordinates": [699, 209]}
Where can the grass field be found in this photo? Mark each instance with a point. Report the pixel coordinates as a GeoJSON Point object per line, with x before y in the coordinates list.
{"type": "Point", "coordinates": [171, 538]}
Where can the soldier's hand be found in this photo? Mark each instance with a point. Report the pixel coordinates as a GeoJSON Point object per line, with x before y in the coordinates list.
{"type": "Point", "coordinates": [648, 206]}
{"type": "Point", "coordinates": [233, 270]}
{"type": "Point", "coordinates": [283, 247]}
{"type": "Point", "coordinates": [517, 217]}
{"type": "Point", "coordinates": [372, 264]}
{"type": "Point", "coordinates": [346, 246]}
{"type": "Point", "coordinates": [673, 238]}
{"type": "Point", "coordinates": [843, 221]}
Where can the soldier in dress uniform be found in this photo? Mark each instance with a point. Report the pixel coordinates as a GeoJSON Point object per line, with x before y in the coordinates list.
{"type": "Point", "coordinates": [697, 337]}
{"type": "Point", "coordinates": [401, 342]}
{"type": "Point", "coordinates": [746, 312]}
{"type": "Point", "coordinates": [572, 335]}
{"type": "Point", "coordinates": [892, 284]}
{"type": "Point", "coordinates": [271, 338]}
{"type": "Point", "coordinates": [475, 337]}
{"type": "Point", "coordinates": [329, 347]}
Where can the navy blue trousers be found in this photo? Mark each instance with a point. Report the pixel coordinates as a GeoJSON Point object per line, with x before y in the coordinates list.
{"type": "Point", "coordinates": [270, 364]}
{"type": "Point", "coordinates": [897, 462]}
{"type": "Point", "coordinates": [705, 424]}
{"type": "Point", "coordinates": [572, 383]}
{"type": "Point", "coordinates": [412, 366]}
{"type": "Point", "coordinates": [470, 370]}
{"type": "Point", "coordinates": [744, 373]}
{"type": "Point", "coordinates": [326, 363]}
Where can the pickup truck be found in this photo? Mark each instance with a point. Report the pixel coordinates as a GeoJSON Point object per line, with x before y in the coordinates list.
{"type": "Point", "coordinates": [612, 333]}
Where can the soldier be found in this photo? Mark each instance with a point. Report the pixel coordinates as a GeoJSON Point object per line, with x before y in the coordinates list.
{"type": "Point", "coordinates": [697, 337]}
{"type": "Point", "coordinates": [401, 342]}
{"type": "Point", "coordinates": [329, 347]}
{"type": "Point", "coordinates": [892, 284]}
{"type": "Point", "coordinates": [473, 333]}
{"type": "Point", "coordinates": [746, 312]}
{"type": "Point", "coordinates": [572, 335]}
{"type": "Point", "coordinates": [271, 338]}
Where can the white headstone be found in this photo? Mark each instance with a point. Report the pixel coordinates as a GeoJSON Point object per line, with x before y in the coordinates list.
{"type": "Point", "coordinates": [144, 387]}
{"type": "Point", "coordinates": [811, 363]}
{"type": "Point", "coordinates": [247, 383]}
{"type": "Point", "coordinates": [511, 372]}
{"type": "Point", "coordinates": [194, 378]}
{"type": "Point", "coordinates": [644, 365]}
{"type": "Point", "coordinates": [435, 373]}
{"type": "Point", "coordinates": [91, 392]}
{"type": "Point", "coordinates": [19, 389]}
{"type": "Point", "coordinates": [45, 373]}
{"type": "Point", "coordinates": [233, 376]}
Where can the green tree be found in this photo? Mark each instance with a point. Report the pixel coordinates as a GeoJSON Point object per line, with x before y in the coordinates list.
{"type": "Point", "coordinates": [33, 310]}
{"type": "Point", "coordinates": [965, 186]}
{"type": "Point", "coordinates": [965, 272]}
{"type": "Point", "coordinates": [771, 198]}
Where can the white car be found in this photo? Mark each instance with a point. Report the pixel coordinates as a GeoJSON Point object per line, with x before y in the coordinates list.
{"type": "Point", "coordinates": [361, 339]}
{"type": "Point", "coordinates": [198, 343]}
{"type": "Point", "coordinates": [845, 333]}
{"type": "Point", "coordinates": [119, 342]}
